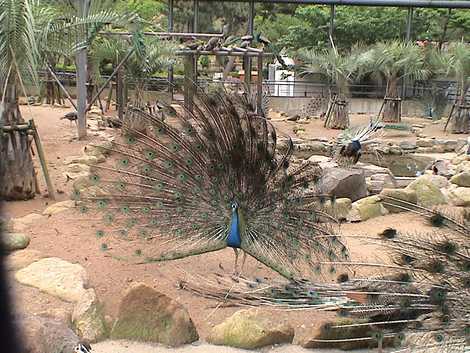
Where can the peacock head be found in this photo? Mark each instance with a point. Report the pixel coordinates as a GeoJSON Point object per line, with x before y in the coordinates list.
{"type": "Point", "coordinates": [234, 206]}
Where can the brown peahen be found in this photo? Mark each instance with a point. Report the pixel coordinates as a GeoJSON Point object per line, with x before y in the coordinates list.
{"type": "Point", "coordinates": [418, 300]}
{"type": "Point", "coordinates": [202, 180]}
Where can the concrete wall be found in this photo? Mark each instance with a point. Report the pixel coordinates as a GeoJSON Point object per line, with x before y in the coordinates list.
{"type": "Point", "coordinates": [292, 105]}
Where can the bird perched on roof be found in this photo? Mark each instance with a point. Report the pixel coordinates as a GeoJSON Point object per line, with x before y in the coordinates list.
{"type": "Point", "coordinates": [201, 181]}
{"type": "Point", "coordinates": [71, 116]}
{"type": "Point", "coordinates": [212, 43]}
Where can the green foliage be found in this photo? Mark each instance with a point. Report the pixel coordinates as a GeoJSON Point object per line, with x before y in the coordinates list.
{"type": "Point", "coordinates": [149, 10]}
{"type": "Point", "coordinates": [308, 26]}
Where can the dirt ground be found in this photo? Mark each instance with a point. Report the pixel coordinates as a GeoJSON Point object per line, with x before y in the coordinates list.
{"type": "Point", "coordinates": [68, 236]}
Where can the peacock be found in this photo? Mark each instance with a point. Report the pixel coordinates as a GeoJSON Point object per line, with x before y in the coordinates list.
{"type": "Point", "coordinates": [417, 301]}
{"type": "Point", "coordinates": [199, 181]}
{"type": "Point", "coordinates": [350, 141]}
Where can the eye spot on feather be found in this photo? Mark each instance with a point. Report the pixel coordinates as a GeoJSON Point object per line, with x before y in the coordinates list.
{"type": "Point", "coordinates": [130, 139]}
{"type": "Point", "coordinates": [121, 186]}
{"type": "Point", "coordinates": [138, 252]}
{"type": "Point", "coordinates": [168, 164]}
{"type": "Point", "coordinates": [189, 161]}
{"type": "Point", "coordinates": [124, 163]}
{"type": "Point", "coordinates": [153, 222]}
{"type": "Point", "coordinates": [159, 204]}
{"type": "Point", "coordinates": [344, 277]}
{"type": "Point", "coordinates": [131, 223]}
{"type": "Point", "coordinates": [439, 337]}
{"type": "Point", "coordinates": [101, 204]}
{"type": "Point", "coordinates": [146, 210]}
{"type": "Point", "coordinates": [174, 147]}
{"type": "Point", "coordinates": [125, 209]}
{"type": "Point", "coordinates": [143, 233]}
{"type": "Point", "coordinates": [75, 195]}
{"type": "Point", "coordinates": [95, 178]}
{"type": "Point", "coordinates": [159, 186]}
{"type": "Point", "coordinates": [104, 247]}
{"type": "Point", "coordinates": [150, 155]}
{"type": "Point", "coordinates": [108, 218]}
{"type": "Point", "coordinates": [83, 209]}
{"type": "Point", "coordinates": [182, 177]}
{"type": "Point", "coordinates": [99, 234]}
{"type": "Point", "coordinates": [146, 169]}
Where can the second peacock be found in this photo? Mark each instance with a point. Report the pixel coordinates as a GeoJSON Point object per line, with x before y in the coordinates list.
{"type": "Point", "coordinates": [198, 181]}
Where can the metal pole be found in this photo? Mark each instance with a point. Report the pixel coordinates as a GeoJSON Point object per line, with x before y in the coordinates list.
{"type": "Point", "coordinates": [247, 60]}
{"type": "Point", "coordinates": [195, 16]}
{"type": "Point", "coordinates": [82, 76]}
{"type": "Point", "coordinates": [332, 24]}
{"type": "Point", "coordinates": [170, 29]}
{"type": "Point", "coordinates": [409, 21]}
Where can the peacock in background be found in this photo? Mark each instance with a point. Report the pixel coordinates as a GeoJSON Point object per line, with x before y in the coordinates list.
{"type": "Point", "coordinates": [193, 182]}
{"type": "Point", "coordinates": [417, 301]}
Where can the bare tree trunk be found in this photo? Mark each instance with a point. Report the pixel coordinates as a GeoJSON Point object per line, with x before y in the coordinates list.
{"type": "Point", "coordinates": [16, 164]}
{"type": "Point", "coordinates": [338, 114]}
{"type": "Point", "coordinates": [392, 106]}
{"type": "Point", "coordinates": [461, 116]}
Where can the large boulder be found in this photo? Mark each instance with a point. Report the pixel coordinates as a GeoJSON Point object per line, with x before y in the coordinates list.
{"type": "Point", "coordinates": [344, 183]}
{"type": "Point", "coordinates": [150, 316]}
{"type": "Point", "coordinates": [408, 165]}
{"type": "Point", "coordinates": [427, 192]}
{"type": "Point", "coordinates": [14, 241]}
{"type": "Point", "coordinates": [22, 258]}
{"type": "Point", "coordinates": [331, 335]}
{"type": "Point", "coordinates": [55, 276]}
{"type": "Point", "coordinates": [406, 195]}
{"type": "Point", "coordinates": [22, 223]}
{"type": "Point", "coordinates": [85, 159]}
{"type": "Point", "coordinates": [58, 207]}
{"type": "Point", "coordinates": [88, 318]}
{"type": "Point", "coordinates": [339, 209]}
{"type": "Point", "coordinates": [45, 335]}
{"type": "Point", "coordinates": [250, 329]}
{"type": "Point", "coordinates": [366, 208]}
{"type": "Point", "coordinates": [459, 196]}
{"type": "Point", "coordinates": [461, 179]}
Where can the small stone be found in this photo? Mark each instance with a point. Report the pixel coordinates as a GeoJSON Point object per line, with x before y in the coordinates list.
{"type": "Point", "coordinates": [339, 209]}
{"type": "Point", "coordinates": [461, 179]}
{"type": "Point", "coordinates": [406, 195]}
{"type": "Point", "coordinates": [88, 318]}
{"type": "Point", "coordinates": [58, 207]}
{"type": "Point", "coordinates": [14, 241]}
{"type": "Point", "coordinates": [250, 329]}
{"type": "Point", "coordinates": [459, 196]}
{"type": "Point", "coordinates": [22, 258]}
{"type": "Point", "coordinates": [366, 208]}
{"type": "Point", "coordinates": [56, 277]}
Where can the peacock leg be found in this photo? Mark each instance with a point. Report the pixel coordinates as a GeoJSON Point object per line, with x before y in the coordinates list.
{"type": "Point", "coordinates": [243, 263]}
{"type": "Point", "coordinates": [235, 270]}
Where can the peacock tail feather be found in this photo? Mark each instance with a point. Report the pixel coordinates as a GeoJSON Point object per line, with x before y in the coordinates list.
{"type": "Point", "coordinates": [166, 192]}
{"type": "Point", "coordinates": [418, 300]}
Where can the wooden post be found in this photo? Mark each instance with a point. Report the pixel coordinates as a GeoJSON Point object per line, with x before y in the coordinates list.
{"type": "Point", "coordinates": [170, 29]}
{"type": "Point", "coordinates": [246, 59]}
{"type": "Point", "coordinates": [61, 86]}
{"type": "Point", "coordinates": [259, 85]}
{"type": "Point", "coordinates": [119, 94]}
{"type": "Point", "coordinates": [409, 21]}
{"type": "Point", "coordinates": [42, 160]}
{"type": "Point", "coordinates": [82, 77]}
{"type": "Point", "coordinates": [188, 81]}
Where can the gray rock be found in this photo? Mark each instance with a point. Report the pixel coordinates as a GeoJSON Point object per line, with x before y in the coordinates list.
{"type": "Point", "coordinates": [14, 241]}
{"type": "Point", "coordinates": [343, 183]}
{"type": "Point", "coordinates": [408, 145]}
{"type": "Point", "coordinates": [250, 329]}
{"type": "Point", "coordinates": [58, 207]}
{"type": "Point", "coordinates": [45, 335]}
{"type": "Point", "coordinates": [147, 315]}
{"type": "Point", "coordinates": [56, 277]}
{"type": "Point", "coordinates": [459, 196]}
{"type": "Point", "coordinates": [461, 179]}
{"type": "Point", "coordinates": [366, 208]}
{"type": "Point", "coordinates": [88, 318]}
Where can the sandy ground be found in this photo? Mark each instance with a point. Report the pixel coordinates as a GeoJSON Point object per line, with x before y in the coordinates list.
{"type": "Point", "coordinates": [67, 236]}
{"type": "Point", "coordinates": [130, 347]}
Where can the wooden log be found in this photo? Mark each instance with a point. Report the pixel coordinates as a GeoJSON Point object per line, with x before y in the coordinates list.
{"type": "Point", "coordinates": [42, 160]}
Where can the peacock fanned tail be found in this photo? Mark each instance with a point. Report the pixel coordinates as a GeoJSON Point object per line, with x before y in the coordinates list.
{"type": "Point", "coordinates": [166, 191]}
{"type": "Point", "coordinates": [418, 300]}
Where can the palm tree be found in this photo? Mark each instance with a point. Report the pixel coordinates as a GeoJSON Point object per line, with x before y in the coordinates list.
{"type": "Point", "coordinates": [456, 64]}
{"type": "Point", "coordinates": [149, 56]}
{"type": "Point", "coordinates": [18, 64]}
{"type": "Point", "coordinates": [28, 31]}
{"type": "Point", "coordinates": [393, 62]}
{"type": "Point", "coordinates": [339, 70]}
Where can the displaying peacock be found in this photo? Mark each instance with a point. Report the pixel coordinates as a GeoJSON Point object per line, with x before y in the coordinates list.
{"type": "Point", "coordinates": [419, 299]}
{"type": "Point", "coordinates": [202, 180]}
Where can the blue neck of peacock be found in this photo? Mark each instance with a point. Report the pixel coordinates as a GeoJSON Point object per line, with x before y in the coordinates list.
{"type": "Point", "coordinates": [234, 239]}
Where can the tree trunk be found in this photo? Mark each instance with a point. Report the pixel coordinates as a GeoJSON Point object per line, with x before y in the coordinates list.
{"type": "Point", "coordinates": [392, 104]}
{"type": "Point", "coordinates": [461, 116]}
{"type": "Point", "coordinates": [16, 164]}
{"type": "Point", "coordinates": [337, 114]}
